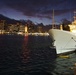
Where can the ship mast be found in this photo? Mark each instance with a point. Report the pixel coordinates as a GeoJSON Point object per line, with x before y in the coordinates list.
{"type": "Point", "coordinates": [53, 21]}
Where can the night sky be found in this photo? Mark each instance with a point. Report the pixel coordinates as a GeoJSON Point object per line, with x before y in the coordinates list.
{"type": "Point", "coordinates": [39, 11]}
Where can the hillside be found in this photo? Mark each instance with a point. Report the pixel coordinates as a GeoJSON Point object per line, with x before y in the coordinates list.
{"type": "Point", "coordinates": [8, 20]}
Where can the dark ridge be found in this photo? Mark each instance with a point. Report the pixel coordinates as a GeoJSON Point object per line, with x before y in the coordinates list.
{"type": "Point", "coordinates": [8, 20]}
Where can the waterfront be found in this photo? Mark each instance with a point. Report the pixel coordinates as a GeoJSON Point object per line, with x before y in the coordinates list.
{"type": "Point", "coordinates": [31, 55]}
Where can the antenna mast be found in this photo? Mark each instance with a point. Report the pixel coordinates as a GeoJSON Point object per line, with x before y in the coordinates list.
{"type": "Point", "coordinates": [74, 15]}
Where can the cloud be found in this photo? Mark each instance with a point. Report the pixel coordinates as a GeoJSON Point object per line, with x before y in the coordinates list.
{"type": "Point", "coordinates": [41, 8]}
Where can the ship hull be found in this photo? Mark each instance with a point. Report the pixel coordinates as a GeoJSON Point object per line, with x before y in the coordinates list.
{"type": "Point", "coordinates": [63, 41]}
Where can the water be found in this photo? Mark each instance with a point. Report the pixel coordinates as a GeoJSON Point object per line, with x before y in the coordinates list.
{"type": "Point", "coordinates": [32, 55]}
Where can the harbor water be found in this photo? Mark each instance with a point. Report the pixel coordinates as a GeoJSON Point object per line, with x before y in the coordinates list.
{"type": "Point", "coordinates": [32, 55]}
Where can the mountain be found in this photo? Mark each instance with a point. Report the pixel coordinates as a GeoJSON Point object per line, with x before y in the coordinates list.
{"type": "Point", "coordinates": [8, 20]}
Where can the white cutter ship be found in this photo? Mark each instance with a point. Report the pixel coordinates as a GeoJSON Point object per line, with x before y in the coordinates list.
{"type": "Point", "coordinates": [64, 41]}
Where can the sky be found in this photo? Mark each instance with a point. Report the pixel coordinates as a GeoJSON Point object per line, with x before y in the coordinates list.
{"type": "Point", "coordinates": [38, 11]}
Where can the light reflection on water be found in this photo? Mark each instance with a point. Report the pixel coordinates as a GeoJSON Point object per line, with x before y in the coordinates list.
{"type": "Point", "coordinates": [25, 50]}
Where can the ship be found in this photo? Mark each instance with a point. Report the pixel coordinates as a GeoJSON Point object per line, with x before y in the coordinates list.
{"type": "Point", "coordinates": [64, 41]}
